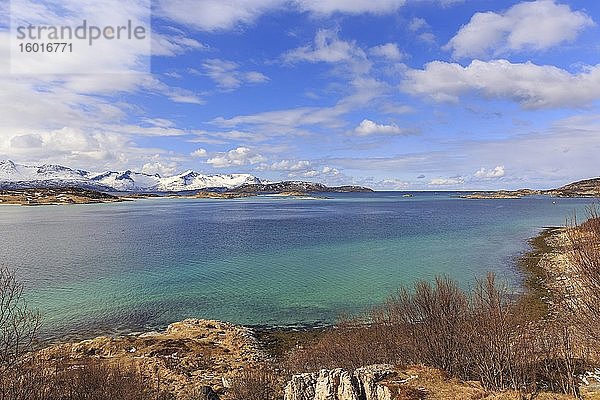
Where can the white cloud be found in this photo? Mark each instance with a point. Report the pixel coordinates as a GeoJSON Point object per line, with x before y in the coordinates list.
{"type": "Point", "coordinates": [172, 45]}
{"type": "Point", "coordinates": [324, 172]}
{"type": "Point", "coordinates": [228, 76]}
{"type": "Point", "coordinates": [327, 7]}
{"type": "Point", "coordinates": [289, 165]}
{"type": "Point", "coordinates": [159, 168]}
{"type": "Point", "coordinates": [392, 184]}
{"type": "Point", "coordinates": [304, 169]}
{"type": "Point", "coordinates": [535, 25]}
{"type": "Point", "coordinates": [416, 24]}
{"type": "Point", "coordinates": [532, 86]}
{"type": "Point", "coordinates": [199, 153]}
{"type": "Point", "coordinates": [388, 50]}
{"type": "Point", "coordinates": [485, 173]}
{"type": "Point", "coordinates": [236, 157]}
{"type": "Point", "coordinates": [212, 15]}
{"type": "Point", "coordinates": [283, 122]}
{"type": "Point", "coordinates": [447, 181]}
{"type": "Point", "coordinates": [327, 47]}
{"type": "Point", "coordinates": [427, 37]}
{"type": "Point", "coordinates": [368, 127]}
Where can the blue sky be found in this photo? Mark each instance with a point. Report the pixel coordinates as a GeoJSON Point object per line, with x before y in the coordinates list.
{"type": "Point", "coordinates": [392, 94]}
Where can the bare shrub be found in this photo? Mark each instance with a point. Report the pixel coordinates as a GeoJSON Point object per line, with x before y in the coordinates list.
{"type": "Point", "coordinates": [99, 380]}
{"type": "Point", "coordinates": [254, 384]}
{"type": "Point", "coordinates": [477, 335]}
{"type": "Point", "coordinates": [18, 324]}
{"type": "Point", "coordinates": [558, 362]}
{"type": "Point", "coordinates": [18, 328]}
{"type": "Point", "coordinates": [433, 321]}
{"type": "Point", "coordinates": [350, 345]}
{"type": "Point", "coordinates": [584, 262]}
{"type": "Point", "coordinates": [491, 348]}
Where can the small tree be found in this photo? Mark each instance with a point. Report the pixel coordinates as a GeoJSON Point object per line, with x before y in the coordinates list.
{"type": "Point", "coordinates": [18, 324]}
{"type": "Point", "coordinates": [18, 328]}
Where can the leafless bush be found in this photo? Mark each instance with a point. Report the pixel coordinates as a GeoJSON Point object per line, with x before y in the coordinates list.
{"type": "Point", "coordinates": [491, 349]}
{"type": "Point", "coordinates": [98, 380]}
{"type": "Point", "coordinates": [351, 345]}
{"type": "Point", "coordinates": [477, 335]}
{"type": "Point", "coordinates": [254, 384]}
{"type": "Point", "coordinates": [584, 280]}
{"type": "Point", "coordinates": [18, 327]}
{"type": "Point", "coordinates": [433, 321]}
{"type": "Point", "coordinates": [18, 324]}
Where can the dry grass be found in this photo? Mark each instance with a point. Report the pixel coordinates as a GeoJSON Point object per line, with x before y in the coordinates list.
{"type": "Point", "coordinates": [255, 384]}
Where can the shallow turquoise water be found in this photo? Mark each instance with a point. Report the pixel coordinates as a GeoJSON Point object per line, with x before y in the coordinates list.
{"type": "Point", "coordinates": [259, 261]}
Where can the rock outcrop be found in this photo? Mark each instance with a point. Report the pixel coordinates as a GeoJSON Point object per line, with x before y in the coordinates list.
{"type": "Point", "coordinates": [189, 355]}
{"type": "Point", "coordinates": [367, 383]}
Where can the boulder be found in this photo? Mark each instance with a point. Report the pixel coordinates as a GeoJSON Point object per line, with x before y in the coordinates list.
{"type": "Point", "coordinates": [368, 379]}
{"type": "Point", "coordinates": [338, 384]}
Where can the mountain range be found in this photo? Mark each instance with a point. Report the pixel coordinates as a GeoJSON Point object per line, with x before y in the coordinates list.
{"type": "Point", "coordinates": [19, 176]}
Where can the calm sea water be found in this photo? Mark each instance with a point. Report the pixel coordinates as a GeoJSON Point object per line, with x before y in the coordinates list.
{"type": "Point", "coordinates": [261, 261]}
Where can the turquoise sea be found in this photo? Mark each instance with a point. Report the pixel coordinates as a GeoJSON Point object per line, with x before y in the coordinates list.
{"type": "Point", "coordinates": [108, 268]}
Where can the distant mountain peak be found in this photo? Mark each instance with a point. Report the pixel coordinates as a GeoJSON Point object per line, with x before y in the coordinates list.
{"type": "Point", "coordinates": [52, 175]}
{"type": "Point", "coordinates": [18, 176]}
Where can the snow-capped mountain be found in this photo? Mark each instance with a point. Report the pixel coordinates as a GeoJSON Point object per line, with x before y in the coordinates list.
{"type": "Point", "coordinates": [127, 181]}
{"type": "Point", "coordinates": [191, 180]}
{"type": "Point", "coordinates": [14, 175]}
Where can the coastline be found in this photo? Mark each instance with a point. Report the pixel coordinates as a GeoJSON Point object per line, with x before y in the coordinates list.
{"type": "Point", "coordinates": [193, 354]}
{"type": "Point", "coordinates": [536, 299]}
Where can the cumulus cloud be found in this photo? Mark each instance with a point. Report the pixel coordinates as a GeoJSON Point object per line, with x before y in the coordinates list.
{"type": "Point", "coordinates": [324, 172]}
{"type": "Point", "coordinates": [302, 169]}
{"type": "Point", "coordinates": [327, 47]}
{"type": "Point", "coordinates": [388, 50]}
{"type": "Point", "coordinates": [532, 86]}
{"type": "Point", "coordinates": [536, 25]}
{"type": "Point", "coordinates": [65, 145]}
{"type": "Point", "coordinates": [392, 184]}
{"type": "Point", "coordinates": [447, 181]}
{"type": "Point", "coordinates": [199, 153]}
{"type": "Point", "coordinates": [214, 15]}
{"type": "Point", "coordinates": [416, 24]}
{"type": "Point", "coordinates": [236, 157]}
{"type": "Point", "coordinates": [368, 128]}
{"type": "Point", "coordinates": [350, 7]}
{"type": "Point", "coordinates": [159, 168]}
{"type": "Point", "coordinates": [288, 165]}
{"type": "Point", "coordinates": [484, 173]}
{"type": "Point", "coordinates": [227, 75]}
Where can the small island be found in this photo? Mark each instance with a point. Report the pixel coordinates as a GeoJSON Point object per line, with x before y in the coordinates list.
{"type": "Point", "coordinates": [56, 196]}
{"type": "Point", "coordinates": [584, 188]}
